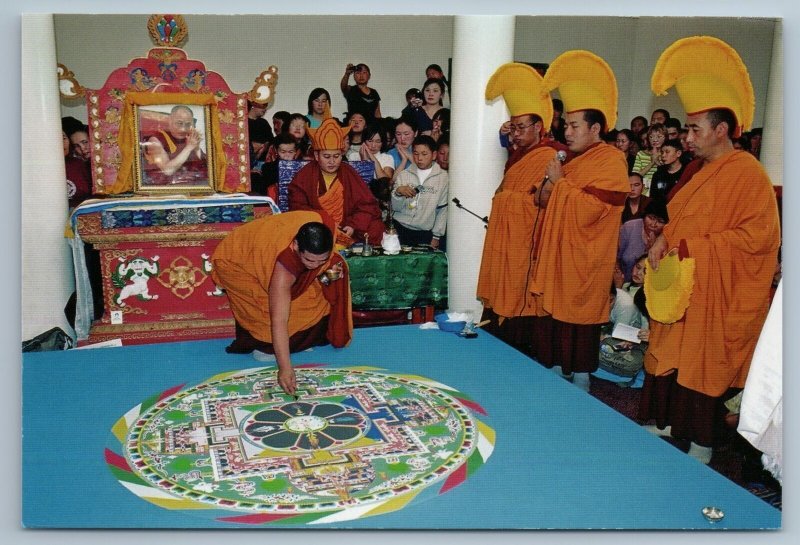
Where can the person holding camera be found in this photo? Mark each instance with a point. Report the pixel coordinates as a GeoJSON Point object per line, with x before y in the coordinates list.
{"type": "Point", "coordinates": [360, 97]}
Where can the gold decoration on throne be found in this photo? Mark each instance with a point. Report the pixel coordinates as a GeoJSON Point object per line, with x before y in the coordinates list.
{"type": "Point", "coordinates": [264, 89]}
{"type": "Point", "coordinates": [68, 86]}
{"type": "Point", "coordinates": [181, 277]}
{"type": "Point", "coordinates": [226, 116]}
{"type": "Point", "coordinates": [167, 30]}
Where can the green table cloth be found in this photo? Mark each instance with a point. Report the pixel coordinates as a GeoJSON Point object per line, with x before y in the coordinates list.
{"type": "Point", "coordinates": [406, 280]}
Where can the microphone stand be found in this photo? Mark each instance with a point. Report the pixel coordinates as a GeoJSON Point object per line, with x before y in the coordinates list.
{"type": "Point", "coordinates": [484, 219]}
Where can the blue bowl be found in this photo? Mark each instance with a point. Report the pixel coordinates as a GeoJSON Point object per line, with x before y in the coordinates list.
{"type": "Point", "coordinates": [452, 327]}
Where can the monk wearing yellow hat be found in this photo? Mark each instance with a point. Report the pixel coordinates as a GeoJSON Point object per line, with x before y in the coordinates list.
{"type": "Point", "coordinates": [510, 247]}
{"type": "Point", "coordinates": [583, 202]}
{"type": "Point", "coordinates": [726, 220]}
{"type": "Point", "coordinates": [335, 190]}
{"type": "Point", "coordinates": [273, 270]}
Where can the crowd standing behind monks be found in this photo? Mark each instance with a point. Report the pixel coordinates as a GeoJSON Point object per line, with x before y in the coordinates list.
{"type": "Point", "coordinates": [576, 195]}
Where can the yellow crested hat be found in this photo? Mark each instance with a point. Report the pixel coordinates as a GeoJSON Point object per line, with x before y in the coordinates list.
{"type": "Point", "coordinates": [667, 291]}
{"type": "Point", "coordinates": [522, 90]}
{"type": "Point", "coordinates": [707, 73]}
{"type": "Point", "coordinates": [585, 82]}
{"type": "Point", "coordinates": [329, 135]}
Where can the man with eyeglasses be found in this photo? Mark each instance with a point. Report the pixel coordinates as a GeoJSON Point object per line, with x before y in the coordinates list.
{"type": "Point", "coordinates": [510, 248]}
{"type": "Point", "coordinates": [583, 201]}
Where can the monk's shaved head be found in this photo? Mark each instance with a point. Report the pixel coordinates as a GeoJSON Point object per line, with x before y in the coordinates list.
{"type": "Point", "coordinates": [315, 238]}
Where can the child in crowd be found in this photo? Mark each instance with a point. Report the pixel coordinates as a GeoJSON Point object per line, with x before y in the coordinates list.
{"type": "Point", "coordinates": [443, 153]}
{"type": "Point", "coordinates": [265, 182]}
{"type": "Point", "coordinates": [668, 174]}
{"type": "Point", "coordinates": [419, 199]}
{"type": "Point", "coordinates": [404, 133]}
{"type": "Point", "coordinates": [648, 160]}
{"type": "Point", "coordinates": [370, 150]}
{"type": "Point", "coordinates": [622, 361]}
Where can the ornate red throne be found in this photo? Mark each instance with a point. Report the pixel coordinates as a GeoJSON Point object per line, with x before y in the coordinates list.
{"type": "Point", "coordinates": [153, 240]}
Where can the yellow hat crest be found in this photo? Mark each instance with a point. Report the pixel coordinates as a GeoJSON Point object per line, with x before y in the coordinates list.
{"type": "Point", "coordinates": [522, 90]}
{"type": "Point", "coordinates": [585, 82]}
{"type": "Point", "coordinates": [668, 290]}
{"type": "Point", "coordinates": [328, 136]}
{"type": "Point", "coordinates": [707, 73]}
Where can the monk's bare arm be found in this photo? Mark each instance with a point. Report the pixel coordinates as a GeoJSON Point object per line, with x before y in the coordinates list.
{"type": "Point", "coordinates": [280, 300]}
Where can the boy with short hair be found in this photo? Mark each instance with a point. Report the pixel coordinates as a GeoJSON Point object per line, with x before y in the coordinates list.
{"type": "Point", "coordinates": [286, 148]}
{"type": "Point", "coordinates": [419, 198]}
{"type": "Point", "coordinates": [668, 174]}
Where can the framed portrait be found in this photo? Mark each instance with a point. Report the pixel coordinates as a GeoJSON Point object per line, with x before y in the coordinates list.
{"type": "Point", "coordinates": [173, 152]}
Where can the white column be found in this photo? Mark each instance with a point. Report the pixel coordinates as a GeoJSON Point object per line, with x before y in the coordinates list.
{"type": "Point", "coordinates": [772, 141]}
{"type": "Point", "coordinates": [480, 45]}
{"type": "Point", "coordinates": [47, 277]}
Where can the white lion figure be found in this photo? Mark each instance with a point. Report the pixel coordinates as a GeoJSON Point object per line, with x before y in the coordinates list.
{"type": "Point", "coordinates": [137, 271]}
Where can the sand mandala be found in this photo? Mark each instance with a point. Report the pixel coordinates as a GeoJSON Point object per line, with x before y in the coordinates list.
{"type": "Point", "coordinates": [356, 442]}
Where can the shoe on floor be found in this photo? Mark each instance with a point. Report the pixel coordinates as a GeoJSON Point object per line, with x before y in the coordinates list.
{"type": "Point", "coordinates": [655, 430]}
{"type": "Point", "coordinates": [700, 453]}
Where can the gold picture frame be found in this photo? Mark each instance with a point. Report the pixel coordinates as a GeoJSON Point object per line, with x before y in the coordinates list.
{"type": "Point", "coordinates": [164, 132]}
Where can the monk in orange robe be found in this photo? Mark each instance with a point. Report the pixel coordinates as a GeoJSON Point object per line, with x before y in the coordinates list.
{"type": "Point", "coordinates": [578, 248]}
{"type": "Point", "coordinates": [335, 190]}
{"type": "Point", "coordinates": [726, 219]}
{"type": "Point", "coordinates": [271, 271]}
{"type": "Point", "coordinates": [512, 240]}
{"type": "Point", "coordinates": [583, 201]}
{"type": "Point", "coordinates": [511, 244]}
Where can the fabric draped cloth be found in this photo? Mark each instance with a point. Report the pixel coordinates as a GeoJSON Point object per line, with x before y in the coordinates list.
{"type": "Point", "coordinates": [332, 202]}
{"type": "Point", "coordinates": [243, 264]}
{"type": "Point", "coordinates": [359, 209]}
{"type": "Point", "coordinates": [515, 226]}
{"type": "Point", "coordinates": [578, 248]}
{"type": "Point", "coordinates": [727, 216]}
{"type": "Point", "coordinates": [79, 180]}
{"type": "Point", "coordinates": [761, 416]}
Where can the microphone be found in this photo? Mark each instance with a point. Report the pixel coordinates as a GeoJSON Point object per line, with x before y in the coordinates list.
{"type": "Point", "coordinates": [458, 204]}
{"type": "Point", "coordinates": [561, 155]}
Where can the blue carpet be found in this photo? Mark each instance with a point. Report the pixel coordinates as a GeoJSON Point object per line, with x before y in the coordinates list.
{"type": "Point", "coordinates": [562, 459]}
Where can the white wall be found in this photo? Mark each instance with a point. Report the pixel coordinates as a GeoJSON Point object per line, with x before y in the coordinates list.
{"type": "Point", "coordinates": [632, 45]}
{"type": "Point", "coordinates": [309, 51]}
{"type": "Point", "coordinates": [312, 51]}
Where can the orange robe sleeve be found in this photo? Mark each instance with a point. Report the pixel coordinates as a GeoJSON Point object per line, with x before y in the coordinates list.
{"type": "Point", "coordinates": [510, 244]}
{"type": "Point", "coordinates": [579, 237]}
{"type": "Point", "coordinates": [727, 215]}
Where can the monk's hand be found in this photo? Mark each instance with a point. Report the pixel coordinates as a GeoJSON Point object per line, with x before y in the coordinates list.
{"type": "Point", "coordinates": [644, 335]}
{"type": "Point", "coordinates": [553, 170]}
{"type": "Point", "coordinates": [347, 230]}
{"type": "Point", "coordinates": [619, 277]}
{"type": "Point", "coordinates": [657, 251]}
{"type": "Point", "coordinates": [405, 191]}
{"type": "Point", "coordinates": [287, 379]}
{"type": "Point", "coordinates": [193, 139]}
{"type": "Point", "coordinates": [505, 128]}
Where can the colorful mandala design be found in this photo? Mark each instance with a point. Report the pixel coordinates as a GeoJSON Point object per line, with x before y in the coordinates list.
{"type": "Point", "coordinates": [356, 443]}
